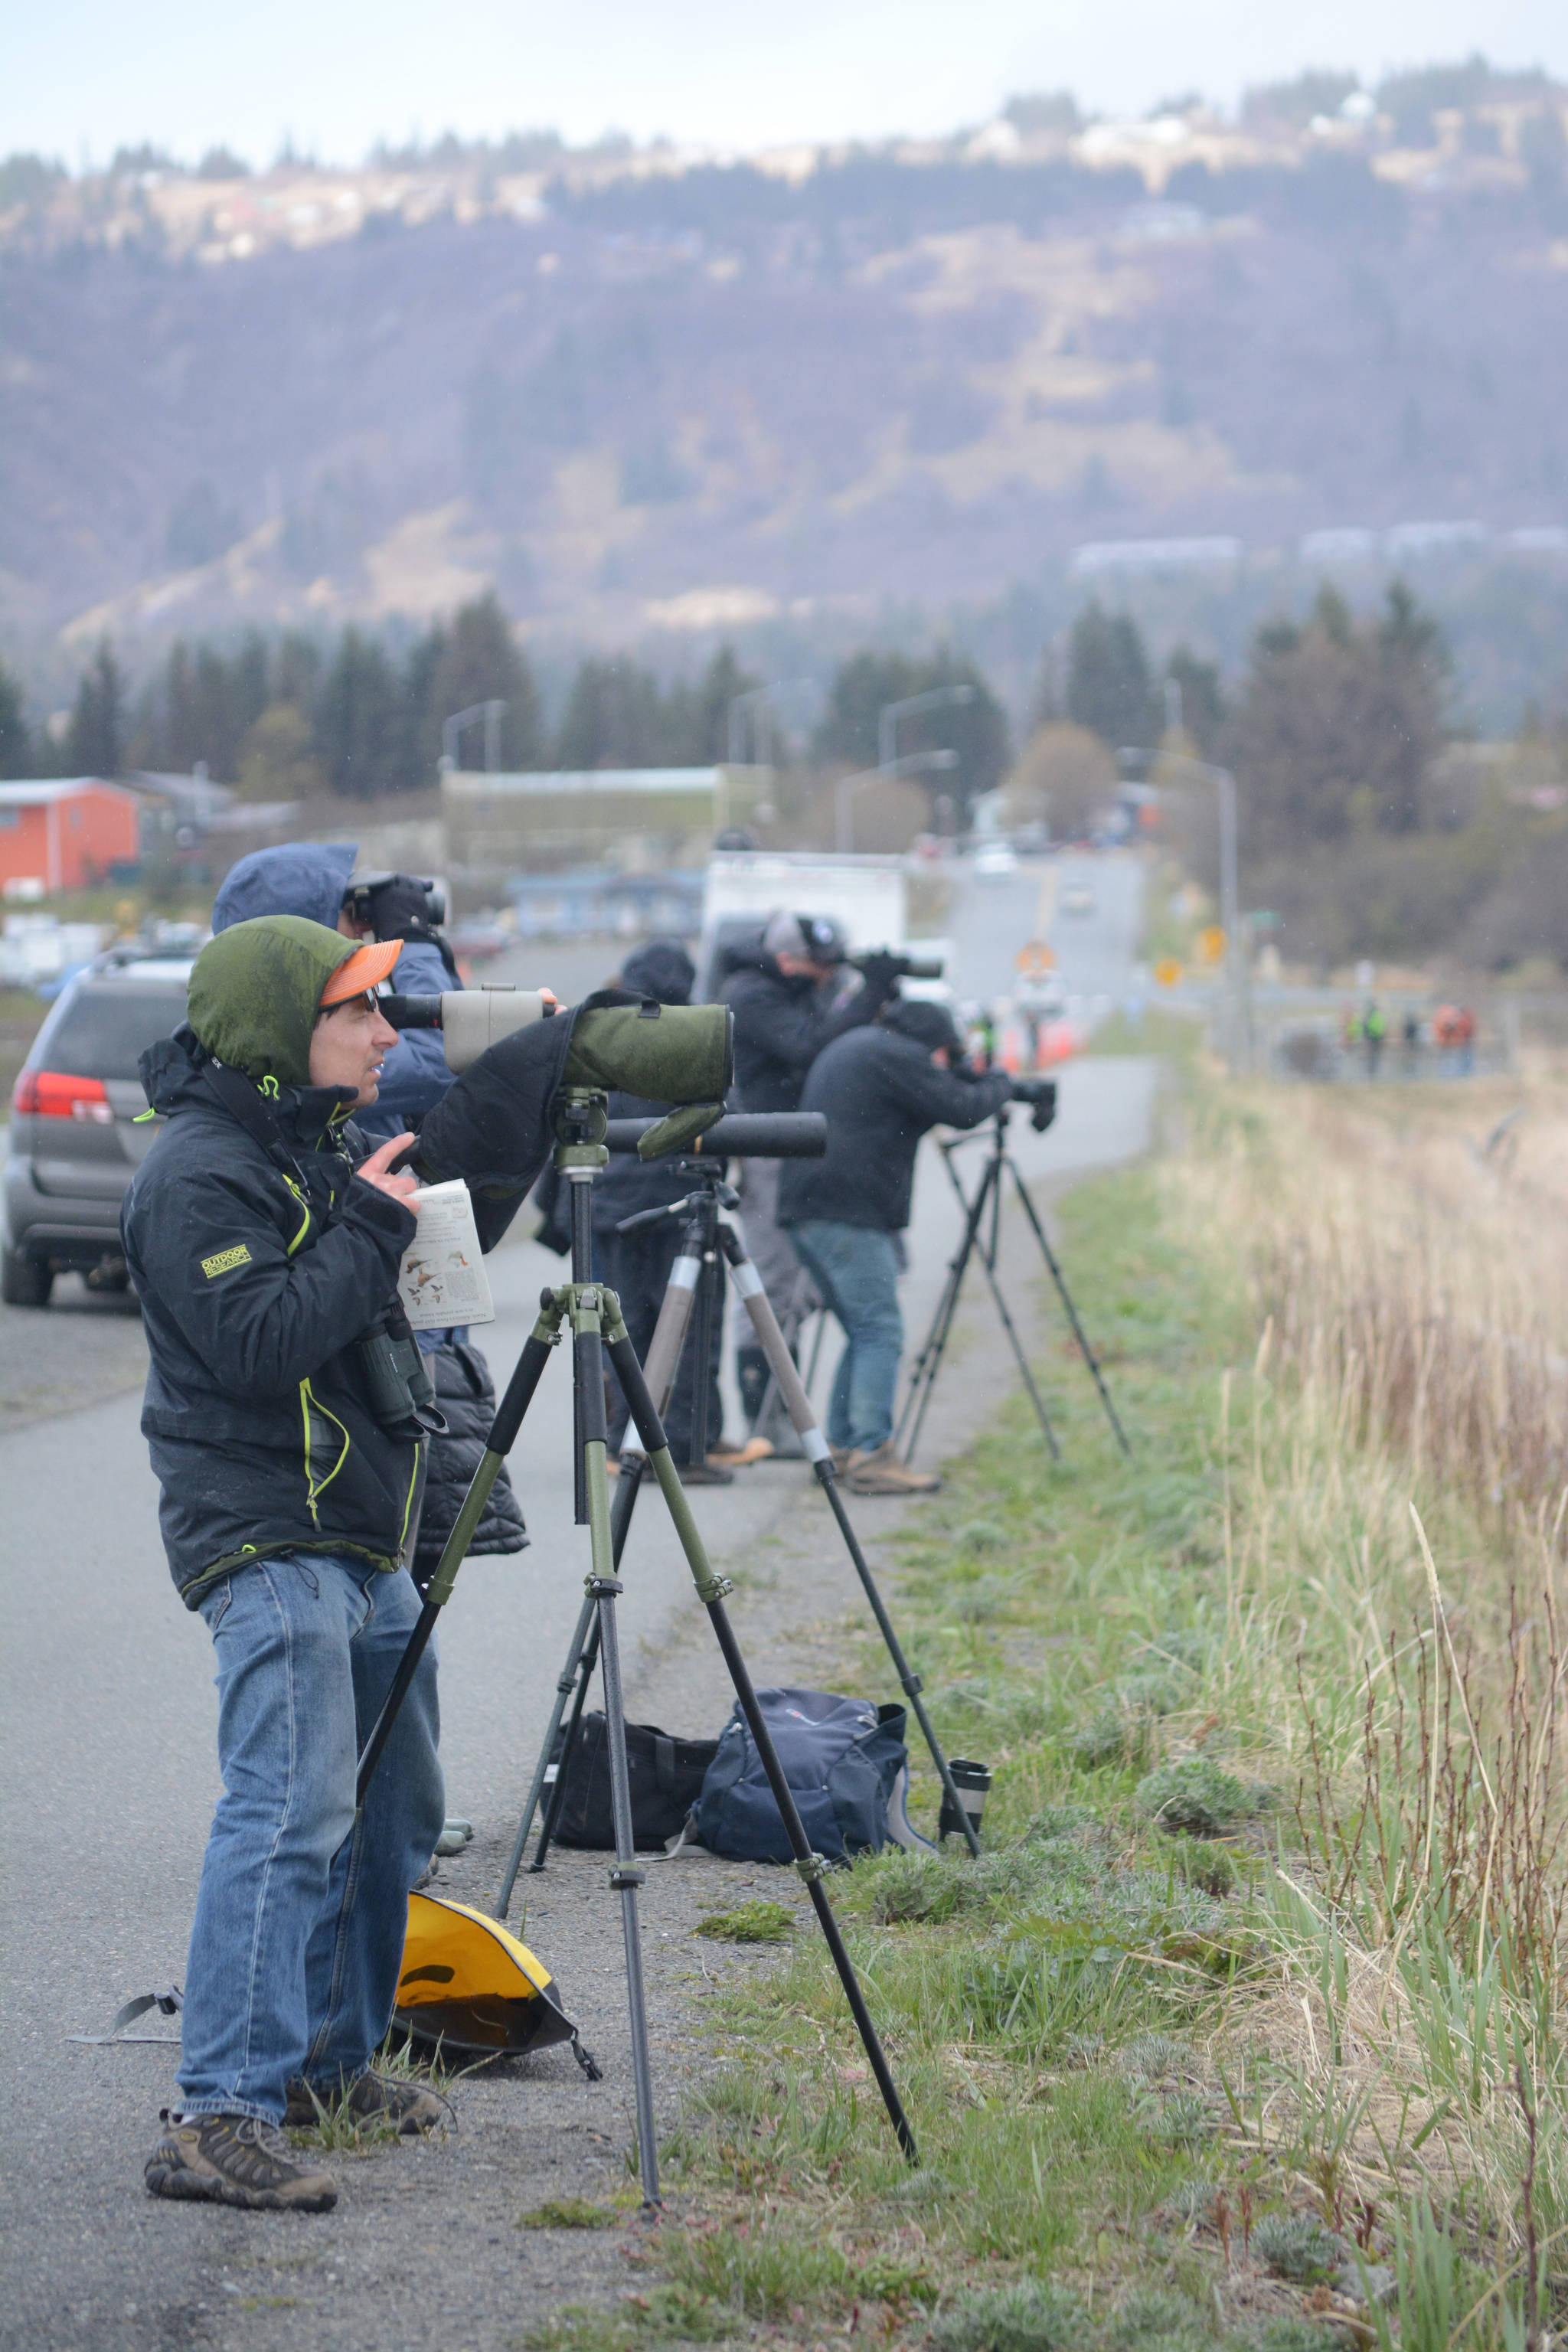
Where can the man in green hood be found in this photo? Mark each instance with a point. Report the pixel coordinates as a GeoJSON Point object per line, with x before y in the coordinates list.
{"type": "Point", "coordinates": [264, 1239]}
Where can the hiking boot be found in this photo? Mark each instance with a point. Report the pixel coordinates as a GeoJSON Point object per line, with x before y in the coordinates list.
{"type": "Point", "coordinates": [882, 1473]}
{"type": "Point", "coordinates": [236, 2160]}
{"type": "Point", "coordinates": [409, 2108]}
{"type": "Point", "coordinates": [705, 1473]}
{"type": "Point", "coordinates": [739, 1457]}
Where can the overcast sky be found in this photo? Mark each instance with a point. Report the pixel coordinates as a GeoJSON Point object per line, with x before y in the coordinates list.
{"type": "Point", "coordinates": [81, 77]}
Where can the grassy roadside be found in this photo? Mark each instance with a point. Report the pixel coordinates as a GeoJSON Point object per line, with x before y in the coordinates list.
{"type": "Point", "coordinates": [1246, 2031]}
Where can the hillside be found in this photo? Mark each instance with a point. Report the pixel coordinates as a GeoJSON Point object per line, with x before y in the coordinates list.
{"type": "Point", "coordinates": [704, 396]}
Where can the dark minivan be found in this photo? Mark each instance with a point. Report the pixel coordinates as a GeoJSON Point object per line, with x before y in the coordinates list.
{"type": "Point", "coordinates": [74, 1140]}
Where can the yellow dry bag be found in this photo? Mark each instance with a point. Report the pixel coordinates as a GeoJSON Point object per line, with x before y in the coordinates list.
{"type": "Point", "coordinates": [469, 1985]}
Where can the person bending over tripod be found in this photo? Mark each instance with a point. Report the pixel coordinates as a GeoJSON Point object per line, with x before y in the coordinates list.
{"type": "Point", "coordinates": [284, 1414]}
{"type": "Point", "coordinates": [879, 1088]}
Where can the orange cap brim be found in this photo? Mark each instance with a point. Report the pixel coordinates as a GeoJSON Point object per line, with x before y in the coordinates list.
{"type": "Point", "coordinates": [368, 966]}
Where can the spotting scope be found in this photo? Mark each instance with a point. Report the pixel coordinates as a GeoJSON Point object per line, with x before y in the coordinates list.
{"type": "Point", "coordinates": [470, 1019]}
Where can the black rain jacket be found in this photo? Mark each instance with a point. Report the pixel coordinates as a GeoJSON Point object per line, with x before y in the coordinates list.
{"type": "Point", "coordinates": [782, 1023]}
{"type": "Point", "coordinates": [253, 1288]}
{"type": "Point", "coordinates": [880, 1093]}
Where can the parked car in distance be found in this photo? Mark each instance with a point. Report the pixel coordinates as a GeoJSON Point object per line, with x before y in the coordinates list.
{"type": "Point", "coordinates": [1077, 898]}
{"type": "Point", "coordinates": [995, 860]}
{"type": "Point", "coordinates": [74, 1142]}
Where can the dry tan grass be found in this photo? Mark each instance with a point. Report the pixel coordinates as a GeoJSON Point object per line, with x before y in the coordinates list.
{"type": "Point", "coordinates": [1407, 1262]}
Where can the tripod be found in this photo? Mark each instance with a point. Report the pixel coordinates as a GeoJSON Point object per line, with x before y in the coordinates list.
{"type": "Point", "coordinates": [698, 1275]}
{"type": "Point", "coordinates": [593, 1317]}
{"type": "Point", "coordinates": [982, 1214]}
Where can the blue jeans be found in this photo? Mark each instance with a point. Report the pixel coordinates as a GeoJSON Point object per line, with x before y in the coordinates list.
{"type": "Point", "coordinates": [303, 1906]}
{"type": "Point", "coordinates": [855, 1268]}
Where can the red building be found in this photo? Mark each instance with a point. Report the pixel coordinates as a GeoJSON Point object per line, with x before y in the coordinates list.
{"type": "Point", "coordinates": [64, 836]}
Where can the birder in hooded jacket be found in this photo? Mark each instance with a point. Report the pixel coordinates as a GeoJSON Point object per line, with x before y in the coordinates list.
{"type": "Point", "coordinates": [777, 991]}
{"type": "Point", "coordinates": [312, 878]}
{"type": "Point", "coordinates": [264, 1238]}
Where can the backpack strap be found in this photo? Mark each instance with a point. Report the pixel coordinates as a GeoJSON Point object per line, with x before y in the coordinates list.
{"type": "Point", "coordinates": [168, 2003]}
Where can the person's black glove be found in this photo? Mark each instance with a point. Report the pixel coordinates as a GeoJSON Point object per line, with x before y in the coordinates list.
{"type": "Point", "coordinates": [1040, 1094]}
{"type": "Point", "coordinates": [880, 974]}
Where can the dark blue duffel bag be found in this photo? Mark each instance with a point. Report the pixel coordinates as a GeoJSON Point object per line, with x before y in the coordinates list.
{"type": "Point", "coordinates": [842, 1757]}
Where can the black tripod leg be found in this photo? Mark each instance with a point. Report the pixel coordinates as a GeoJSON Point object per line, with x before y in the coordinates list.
{"type": "Point", "coordinates": [710, 1591]}
{"type": "Point", "coordinates": [518, 1396]}
{"type": "Point", "coordinates": [565, 1683]}
{"type": "Point", "coordinates": [930, 1350]}
{"type": "Point", "coordinates": [664, 1366]}
{"type": "Point", "coordinates": [771, 1339]}
{"type": "Point", "coordinates": [585, 1655]}
{"type": "Point", "coordinates": [993, 1176]}
{"type": "Point", "coordinates": [1080, 1334]}
{"type": "Point", "coordinates": [603, 1588]}
{"type": "Point", "coordinates": [929, 1364]}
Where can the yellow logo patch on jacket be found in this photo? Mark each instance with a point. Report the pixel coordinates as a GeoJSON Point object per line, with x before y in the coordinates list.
{"type": "Point", "coordinates": [225, 1261]}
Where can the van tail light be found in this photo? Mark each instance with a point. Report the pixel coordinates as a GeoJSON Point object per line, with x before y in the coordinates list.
{"type": "Point", "coordinates": [54, 1094]}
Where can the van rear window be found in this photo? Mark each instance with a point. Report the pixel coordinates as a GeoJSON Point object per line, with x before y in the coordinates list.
{"type": "Point", "coordinates": [105, 1031]}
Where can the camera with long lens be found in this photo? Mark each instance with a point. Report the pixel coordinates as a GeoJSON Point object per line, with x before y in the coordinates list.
{"type": "Point", "coordinates": [904, 966]}
{"type": "Point", "coordinates": [386, 903]}
{"type": "Point", "coordinates": [1040, 1094]}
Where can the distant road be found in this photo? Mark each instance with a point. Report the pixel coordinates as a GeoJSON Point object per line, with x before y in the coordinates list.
{"type": "Point", "coordinates": [991, 921]}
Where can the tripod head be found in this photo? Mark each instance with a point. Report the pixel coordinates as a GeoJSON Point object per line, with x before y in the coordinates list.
{"type": "Point", "coordinates": [712, 1193]}
{"type": "Point", "coordinates": [581, 1117]}
{"type": "Point", "coordinates": [1040, 1094]}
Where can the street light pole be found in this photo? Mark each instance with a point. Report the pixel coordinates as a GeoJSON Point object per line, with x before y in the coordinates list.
{"type": "Point", "coordinates": [937, 698]}
{"type": "Point", "coordinates": [452, 729]}
{"type": "Point", "coordinates": [913, 763]}
{"type": "Point", "coordinates": [742, 707]}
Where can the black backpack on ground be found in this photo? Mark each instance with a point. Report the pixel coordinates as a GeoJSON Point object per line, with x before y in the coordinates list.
{"type": "Point", "coordinates": [846, 1763]}
{"type": "Point", "coordinates": [666, 1775]}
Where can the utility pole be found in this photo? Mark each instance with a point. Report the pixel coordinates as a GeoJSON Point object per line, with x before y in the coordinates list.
{"type": "Point", "coordinates": [1131, 757]}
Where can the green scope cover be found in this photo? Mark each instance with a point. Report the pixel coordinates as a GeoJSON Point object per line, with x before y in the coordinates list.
{"type": "Point", "coordinates": [665, 1053]}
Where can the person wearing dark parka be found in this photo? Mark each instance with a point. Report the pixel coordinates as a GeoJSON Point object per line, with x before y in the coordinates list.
{"type": "Point", "coordinates": [880, 1087]}
{"type": "Point", "coordinates": [312, 878]}
{"type": "Point", "coordinates": [264, 1238]}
